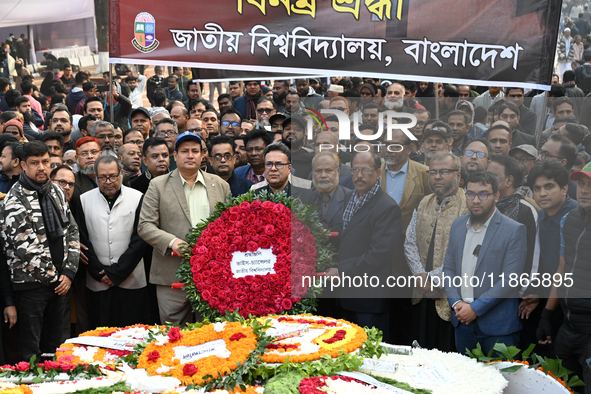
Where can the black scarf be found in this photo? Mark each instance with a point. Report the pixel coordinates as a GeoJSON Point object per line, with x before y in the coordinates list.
{"type": "Point", "coordinates": [54, 216]}
{"type": "Point", "coordinates": [509, 205]}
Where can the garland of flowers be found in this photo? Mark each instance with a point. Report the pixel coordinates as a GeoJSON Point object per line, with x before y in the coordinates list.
{"type": "Point", "coordinates": [321, 384]}
{"type": "Point", "coordinates": [14, 389]}
{"type": "Point", "coordinates": [340, 336]}
{"type": "Point", "coordinates": [244, 340]}
{"type": "Point", "coordinates": [245, 224]}
{"type": "Point", "coordinates": [75, 354]}
{"type": "Point", "coordinates": [48, 370]}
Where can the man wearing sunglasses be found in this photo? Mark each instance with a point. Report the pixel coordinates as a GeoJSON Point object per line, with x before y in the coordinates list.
{"type": "Point", "coordinates": [265, 109]}
{"type": "Point", "coordinates": [485, 242]}
{"type": "Point", "coordinates": [476, 156]}
{"type": "Point", "coordinates": [231, 120]}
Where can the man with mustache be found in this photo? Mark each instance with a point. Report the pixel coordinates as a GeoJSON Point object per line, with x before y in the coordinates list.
{"type": "Point", "coordinates": [38, 220]}
{"type": "Point", "coordinates": [294, 134]}
{"type": "Point", "coordinates": [371, 230]}
{"type": "Point", "coordinates": [61, 122]}
{"type": "Point", "coordinates": [174, 204]}
{"type": "Point", "coordinates": [130, 156]}
{"type": "Point", "coordinates": [427, 238]}
{"type": "Point", "coordinates": [222, 150]}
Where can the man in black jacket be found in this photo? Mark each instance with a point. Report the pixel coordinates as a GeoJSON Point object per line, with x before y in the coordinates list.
{"type": "Point", "coordinates": [372, 226]}
{"type": "Point", "coordinates": [572, 342]}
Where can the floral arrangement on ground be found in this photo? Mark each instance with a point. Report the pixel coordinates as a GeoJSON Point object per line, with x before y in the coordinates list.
{"type": "Point", "coordinates": [279, 227]}
{"type": "Point", "coordinates": [221, 355]}
{"type": "Point", "coordinates": [76, 354]}
{"type": "Point", "coordinates": [551, 367]}
{"type": "Point", "coordinates": [48, 370]}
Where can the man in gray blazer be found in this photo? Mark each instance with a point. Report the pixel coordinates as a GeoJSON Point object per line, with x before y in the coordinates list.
{"type": "Point", "coordinates": [485, 249]}
{"type": "Point", "coordinates": [173, 205]}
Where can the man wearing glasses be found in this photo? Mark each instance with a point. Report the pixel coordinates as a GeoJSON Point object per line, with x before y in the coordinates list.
{"type": "Point", "coordinates": [231, 122]}
{"type": "Point", "coordinates": [265, 109]}
{"type": "Point", "coordinates": [115, 276]}
{"type": "Point", "coordinates": [63, 176]}
{"type": "Point", "coordinates": [277, 162]}
{"type": "Point", "coordinates": [476, 156]}
{"type": "Point", "coordinates": [104, 133]}
{"type": "Point", "coordinates": [484, 242]}
{"type": "Point", "coordinates": [222, 152]}
{"type": "Point", "coordinates": [426, 241]}
{"type": "Point", "coordinates": [371, 231]}
{"type": "Point", "coordinates": [166, 129]}
{"type": "Point", "coordinates": [526, 155]}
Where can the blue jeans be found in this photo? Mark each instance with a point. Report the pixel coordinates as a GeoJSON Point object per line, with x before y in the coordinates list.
{"type": "Point", "coordinates": [468, 336]}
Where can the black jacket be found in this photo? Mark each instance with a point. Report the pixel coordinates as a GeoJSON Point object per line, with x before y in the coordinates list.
{"type": "Point", "coordinates": [368, 245]}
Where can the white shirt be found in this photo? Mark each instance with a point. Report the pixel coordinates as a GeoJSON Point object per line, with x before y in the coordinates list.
{"type": "Point", "coordinates": [474, 238]}
{"type": "Point", "coordinates": [136, 96]}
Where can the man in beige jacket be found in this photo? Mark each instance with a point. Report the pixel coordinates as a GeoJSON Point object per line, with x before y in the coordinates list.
{"type": "Point", "coordinates": [173, 205]}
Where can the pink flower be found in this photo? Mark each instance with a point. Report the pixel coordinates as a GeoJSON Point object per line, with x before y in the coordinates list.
{"type": "Point", "coordinates": [50, 365]}
{"type": "Point", "coordinates": [22, 366]}
{"type": "Point", "coordinates": [66, 359]}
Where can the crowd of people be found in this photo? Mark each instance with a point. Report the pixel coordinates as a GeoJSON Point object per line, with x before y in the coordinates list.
{"type": "Point", "coordinates": [96, 207]}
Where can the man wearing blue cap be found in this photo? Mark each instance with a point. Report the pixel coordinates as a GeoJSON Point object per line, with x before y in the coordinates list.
{"type": "Point", "coordinates": [173, 205]}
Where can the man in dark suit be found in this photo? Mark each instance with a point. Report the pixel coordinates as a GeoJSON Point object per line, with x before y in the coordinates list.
{"type": "Point", "coordinates": [484, 244]}
{"type": "Point", "coordinates": [372, 226]}
{"type": "Point", "coordinates": [222, 151]}
{"type": "Point", "coordinates": [277, 160]}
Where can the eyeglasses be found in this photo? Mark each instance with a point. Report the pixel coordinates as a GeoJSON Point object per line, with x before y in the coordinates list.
{"type": "Point", "coordinates": [265, 110]}
{"type": "Point", "coordinates": [233, 124]}
{"type": "Point", "coordinates": [525, 159]}
{"type": "Point", "coordinates": [53, 165]}
{"type": "Point", "coordinates": [112, 179]}
{"type": "Point", "coordinates": [364, 170]}
{"type": "Point", "coordinates": [545, 155]}
{"type": "Point", "coordinates": [470, 153]}
{"type": "Point", "coordinates": [444, 172]}
{"type": "Point", "coordinates": [226, 157]}
{"type": "Point", "coordinates": [196, 130]}
{"type": "Point", "coordinates": [90, 153]}
{"type": "Point", "coordinates": [137, 142]}
{"type": "Point", "coordinates": [278, 165]}
{"type": "Point", "coordinates": [481, 196]}
{"type": "Point", "coordinates": [166, 133]}
{"type": "Point", "coordinates": [70, 162]}
{"type": "Point", "coordinates": [103, 136]}
{"type": "Point", "coordinates": [342, 109]}
{"type": "Point", "coordinates": [64, 183]}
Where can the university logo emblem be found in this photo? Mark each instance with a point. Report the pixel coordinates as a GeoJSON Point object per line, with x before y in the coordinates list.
{"type": "Point", "coordinates": [145, 33]}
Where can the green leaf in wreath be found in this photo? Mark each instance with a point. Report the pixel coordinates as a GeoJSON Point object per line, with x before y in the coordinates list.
{"type": "Point", "coordinates": [512, 369]}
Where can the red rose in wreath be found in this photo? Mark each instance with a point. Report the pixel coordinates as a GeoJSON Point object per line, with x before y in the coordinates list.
{"type": "Point", "coordinates": [252, 227]}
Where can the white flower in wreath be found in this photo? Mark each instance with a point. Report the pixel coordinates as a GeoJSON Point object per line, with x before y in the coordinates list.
{"type": "Point", "coordinates": [85, 355]}
{"type": "Point", "coordinates": [223, 353]}
{"type": "Point", "coordinates": [161, 340]}
{"type": "Point", "coordinates": [219, 327]}
{"type": "Point", "coordinates": [162, 369]}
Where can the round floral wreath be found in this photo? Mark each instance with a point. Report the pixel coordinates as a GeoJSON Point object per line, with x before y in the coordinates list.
{"type": "Point", "coordinates": [158, 356]}
{"type": "Point", "coordinates": [245, 224]}
{"type": "Point", "coordinates": [339, 335]}
{"type": "Point", "coordinates": [75, 354]}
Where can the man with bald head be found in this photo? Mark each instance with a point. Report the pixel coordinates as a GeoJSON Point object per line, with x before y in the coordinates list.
{"type": "Point", "coordinates": [325, 141]}
{"type": "Point", "coordinates": [180, 115]}
{"type": "Point", "coordinates": [197, 126]}
{"type": "Point", "coordinates": [476, 156]}
{"type": "Point", "coordinates": [130, 156]}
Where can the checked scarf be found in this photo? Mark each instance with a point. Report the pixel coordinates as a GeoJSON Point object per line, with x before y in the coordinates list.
{"type": "Point", "coordinates": [353, 207]}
